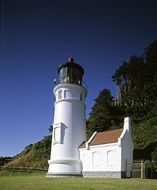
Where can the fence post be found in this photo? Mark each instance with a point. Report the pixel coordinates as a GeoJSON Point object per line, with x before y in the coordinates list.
{"type": "Point", "coordinates": [142, 169]}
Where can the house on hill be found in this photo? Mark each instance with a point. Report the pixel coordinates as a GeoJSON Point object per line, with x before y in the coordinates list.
{"type": "Point", "coordinates": [108, 154]}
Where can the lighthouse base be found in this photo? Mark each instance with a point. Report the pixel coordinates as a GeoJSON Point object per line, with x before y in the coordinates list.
{"type": "Point", "coordinates": [64, 175]}
{"type": "Point", "coordinates": [64, 168]}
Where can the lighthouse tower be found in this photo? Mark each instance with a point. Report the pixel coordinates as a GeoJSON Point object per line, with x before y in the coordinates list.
{"type": "Point", "coordinates": [69, 127]}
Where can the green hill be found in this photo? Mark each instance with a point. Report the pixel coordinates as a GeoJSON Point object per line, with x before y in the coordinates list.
{"type": "Point", "coordinates": [36, 156]}
{"type": "Point", "coordinates": [33, 156]}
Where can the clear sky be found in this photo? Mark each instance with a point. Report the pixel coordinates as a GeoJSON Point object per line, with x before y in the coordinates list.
{"type": "Point", "coordinates": [38, 35]}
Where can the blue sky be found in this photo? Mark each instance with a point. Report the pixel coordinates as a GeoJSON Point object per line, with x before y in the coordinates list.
{"type": "Point", "coordinates": [39, 35]}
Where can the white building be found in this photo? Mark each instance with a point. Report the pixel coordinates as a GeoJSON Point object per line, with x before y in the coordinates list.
{"type": "Point", "coordinates": [104, 154]}
{"type": "Point", "coordinates": [108, 154]}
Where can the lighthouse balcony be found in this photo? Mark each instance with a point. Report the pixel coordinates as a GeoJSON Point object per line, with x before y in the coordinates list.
{"type": "Point", "coordinates": [67, 81]}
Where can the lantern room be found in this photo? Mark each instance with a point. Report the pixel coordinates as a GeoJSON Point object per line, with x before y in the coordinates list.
{"type": "Point", "coordinates": [70, 72]}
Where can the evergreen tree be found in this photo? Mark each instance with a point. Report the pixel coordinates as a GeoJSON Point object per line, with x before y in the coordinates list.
{"type": "Point", "coordinates": [130, 80]}
{"type": "Point", "coordinates": [150, 55]}
{"type": "Point", "coordinates": [104, 116]}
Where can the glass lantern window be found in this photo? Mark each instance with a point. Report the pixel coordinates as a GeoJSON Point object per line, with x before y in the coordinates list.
{"type": "Point", "coordinates": [70, 74]}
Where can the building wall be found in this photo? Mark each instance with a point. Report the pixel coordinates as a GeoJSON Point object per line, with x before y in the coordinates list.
{"type": "Point", "coordinates": [102, 158]}
{"type": "Point", "coordinates": [127, 153]}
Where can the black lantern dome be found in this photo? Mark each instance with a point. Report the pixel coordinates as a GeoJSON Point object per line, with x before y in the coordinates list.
{"type": "Point", "coordinates": [70, 72]}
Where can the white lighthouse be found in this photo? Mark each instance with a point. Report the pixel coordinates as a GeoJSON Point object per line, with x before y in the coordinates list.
{"type": "Point", "coordinates": [69, 127]}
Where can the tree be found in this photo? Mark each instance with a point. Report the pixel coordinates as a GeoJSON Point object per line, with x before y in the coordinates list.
{"type": "Point", "coordinates": [50, 129]}
{"type": "Point", "coordinates": [154, 156]}
{"type": "Point", "coordinates": [150, 56]}
{"type": "Point", "coordinates": [130, 81]}
{"type": "Point", "coordinates": [151, 53]}
{"type": "Point", "coordinates": [103, 116]}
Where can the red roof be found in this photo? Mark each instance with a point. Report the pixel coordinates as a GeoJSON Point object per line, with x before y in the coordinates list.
{"type": "Point", "coordinates": [104, 138]}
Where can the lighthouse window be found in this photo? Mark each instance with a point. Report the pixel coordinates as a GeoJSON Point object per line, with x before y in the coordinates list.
{"type": "Point", "coordinates": [64, 93]}
{"type": "Point", "coordinates": [63, 75]}
{"type": "Point", "coordinates": [59, 94]}
{"type": "Point", "coordinates": [80, 97]}
{"type": "Point", "coordinates": [57, 133]}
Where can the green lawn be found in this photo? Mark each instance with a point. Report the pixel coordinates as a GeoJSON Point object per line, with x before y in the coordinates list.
{"type": "Point", "coordinates": [40, 182]}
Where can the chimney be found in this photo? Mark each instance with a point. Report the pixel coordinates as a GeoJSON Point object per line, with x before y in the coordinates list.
{"type": "Point", "coordinates": [127, 124]}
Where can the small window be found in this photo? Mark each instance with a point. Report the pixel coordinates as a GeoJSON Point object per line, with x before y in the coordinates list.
{"type": "Point", "coordinates": [57, 133]}
{"type": "Point", "coordinates": [59, 94]}
{"type": "Point", "coordinates": [111, 157]}
{"type": "Point", "coordinates": [95, 159]}
{"type": "Point", "coordinates": [65, 94]}
{"type": "Point", "coordinates": [80, 97]}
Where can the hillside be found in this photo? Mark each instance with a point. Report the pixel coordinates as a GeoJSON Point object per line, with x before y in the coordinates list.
{"type": "Point", "coordinates": [36, 156]}
{"type": "Point", "coordinates": [4, 160]}
{"type": "Point", "coordinates": [33, 156]}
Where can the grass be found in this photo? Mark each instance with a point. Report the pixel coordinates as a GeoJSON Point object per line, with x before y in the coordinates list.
{"type": "Point", "coordinates": [38, 181]}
